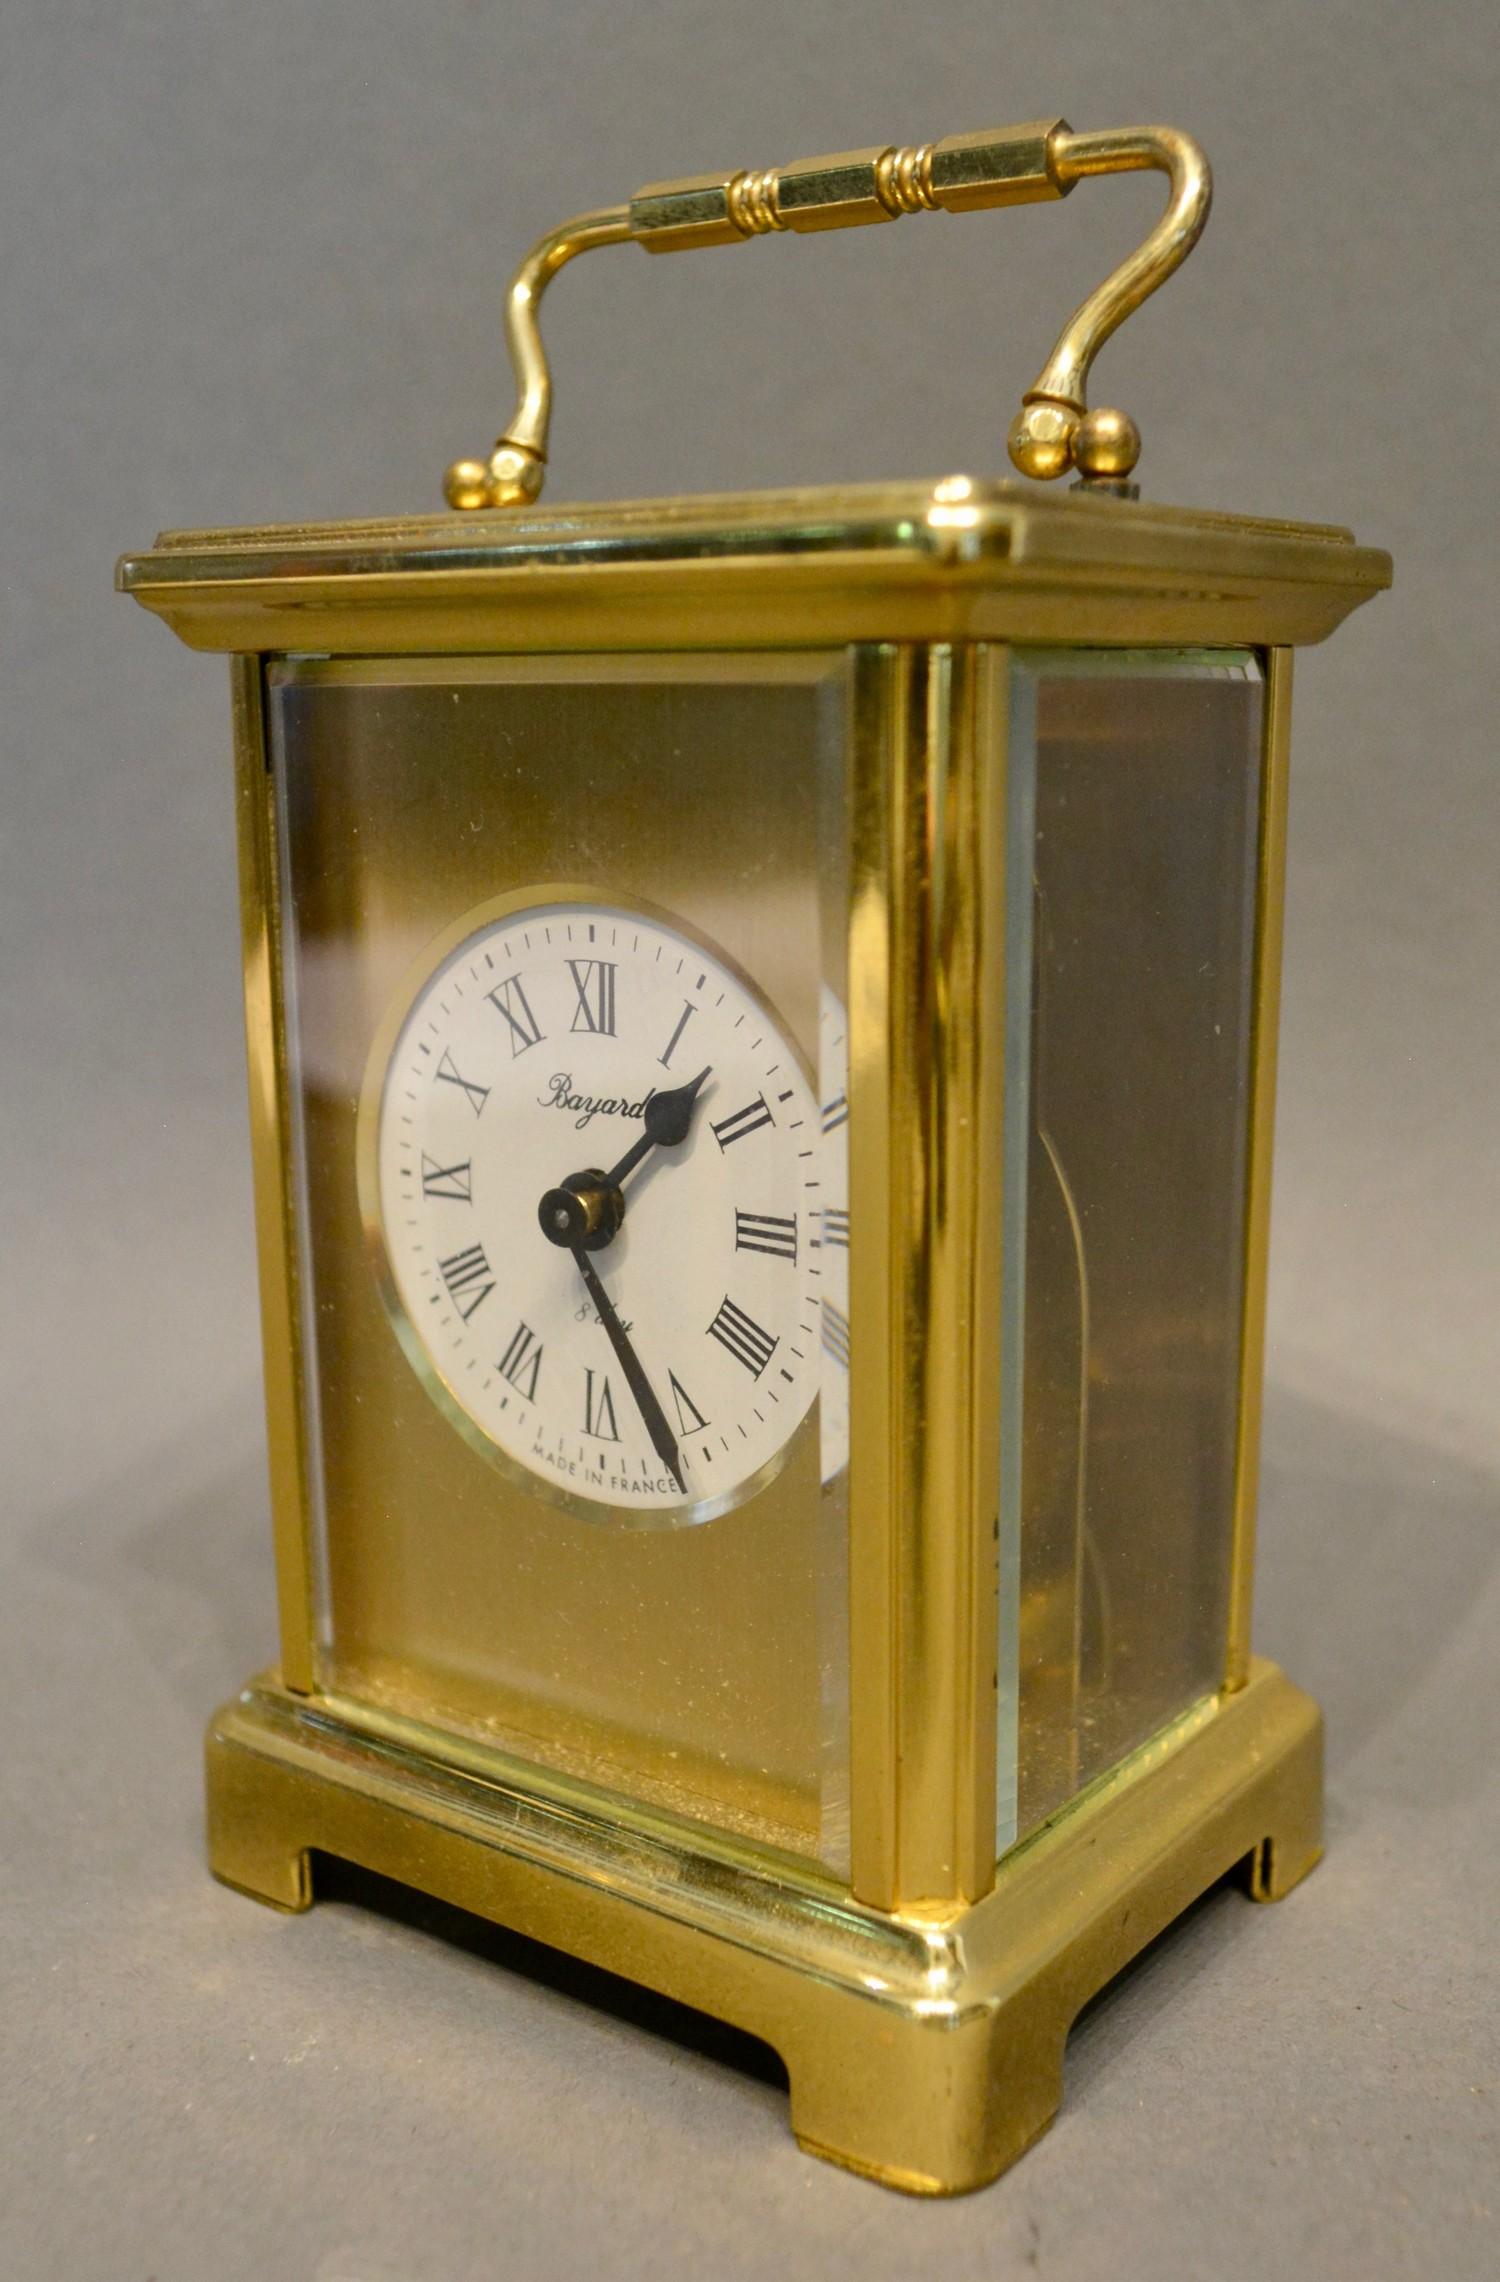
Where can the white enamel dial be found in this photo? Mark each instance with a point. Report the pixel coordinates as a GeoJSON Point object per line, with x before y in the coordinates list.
{"type": "Point", "coordinates": [529, 1056]}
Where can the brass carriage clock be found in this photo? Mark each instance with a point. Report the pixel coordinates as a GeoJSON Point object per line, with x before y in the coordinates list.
{"type": "Point", "coordinates": [762, 1019]}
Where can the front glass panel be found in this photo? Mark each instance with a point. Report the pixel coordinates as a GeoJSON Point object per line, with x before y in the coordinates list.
{"type": "Point", "coordinates": [563, 968]}
{"type": "Point", "coordinates": [1136, 784]}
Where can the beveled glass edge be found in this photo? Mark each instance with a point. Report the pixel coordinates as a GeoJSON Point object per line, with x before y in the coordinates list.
{"type": "Point", "coordinates": [300, 1210]}
{"type": "Point", "coordinates": [1020, 840]}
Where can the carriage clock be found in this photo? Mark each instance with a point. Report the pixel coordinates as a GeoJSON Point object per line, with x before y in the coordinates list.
{"type": "Point", "coordinates": [762, 1032]}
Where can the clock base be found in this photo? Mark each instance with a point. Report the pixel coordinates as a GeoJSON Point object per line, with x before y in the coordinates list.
{"type": "Point", "coordinates": [924, 2049]}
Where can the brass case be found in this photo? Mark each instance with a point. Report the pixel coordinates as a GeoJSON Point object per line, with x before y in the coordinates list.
{"type": "Point", "coordinates": [922, 2003]}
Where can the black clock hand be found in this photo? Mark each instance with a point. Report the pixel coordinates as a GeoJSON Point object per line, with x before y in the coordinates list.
{"type": "Point", "coordinates": [663, 1440]}
{"type": "Point", "coordinates": [668, 1121]}
{"type": "Point", "coordinates": [589, 1208]}
{"type": "Point", "coordinates": [586, 1213]}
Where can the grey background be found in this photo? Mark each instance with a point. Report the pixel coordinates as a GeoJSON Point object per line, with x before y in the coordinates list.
{"type": "Point", "coordinates": [252, 269]}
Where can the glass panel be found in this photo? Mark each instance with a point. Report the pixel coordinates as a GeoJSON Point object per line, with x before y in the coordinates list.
{"type": "Point", "coordinates": [1144, 770]}
{"type": "Point", "coordinates": [581, 1492]}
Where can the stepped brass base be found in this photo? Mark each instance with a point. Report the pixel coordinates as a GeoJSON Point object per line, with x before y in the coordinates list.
{"type": "Point", "coordinates": [924, 2051]}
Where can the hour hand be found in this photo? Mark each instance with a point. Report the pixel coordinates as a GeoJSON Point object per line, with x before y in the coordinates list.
{"type": "Point", "coordinates": [588, 1208]}
{"type": "Point", "coordinates": [667, 1124]}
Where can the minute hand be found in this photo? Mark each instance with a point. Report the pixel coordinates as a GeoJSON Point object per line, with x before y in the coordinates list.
{"type": "Point", "coordinates": [662, 1437]}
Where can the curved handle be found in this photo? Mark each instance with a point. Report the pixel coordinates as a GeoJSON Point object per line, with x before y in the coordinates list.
{"type": "Point", "coordinates": [1006, 166]}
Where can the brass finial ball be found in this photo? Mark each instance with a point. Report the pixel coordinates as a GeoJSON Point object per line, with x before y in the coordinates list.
{"type": "Point", "coordinates": [1106, 443]}
{"type": "Point", "coordinates": [467, 484]}
{"type": "Point", "coordinates": [510, 477]}
{"type": "Point", "coordinates": [515, 475]}
{"type": "Point", "coordinates": [1041, 439]}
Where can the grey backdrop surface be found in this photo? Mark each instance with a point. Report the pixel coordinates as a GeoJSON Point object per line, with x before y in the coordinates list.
{"type": "Point", "coordinates": [252, 266]}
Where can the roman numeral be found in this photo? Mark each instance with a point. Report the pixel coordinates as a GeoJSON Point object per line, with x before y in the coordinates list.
{"type": "Point", "coordinates": [743, 1337]}
{"type": "Point", "coordinates": [683, 1019]}
{"type": "Point", "coordinates": [594, 981]}
{"type": "Point", "coordinates": [835, 1113]}
{"type": "Point", "coordinates": [750, 1119]}
{"type": "Point", "coordinates": [599, 1409]}
{"type": "Point", "coordinates": [477, 1095]}
{"type": "Point", "coordinates": [469, 1279]}
{"type": "Point", "coordinates": [455, 1181]}
{"type": "Point", "coordinates": [689, 1417]}
{"type": "Point", "coordinates": [521, 1361]}
{"type": "Point", "coordinates": [760, 1232]}
{"type": "Point", "coordinates": [836, 1333]}
{"type": "Point", "coordinates": [513, 1003]}
{"type": "Point", "coordinates": [835, 1227]}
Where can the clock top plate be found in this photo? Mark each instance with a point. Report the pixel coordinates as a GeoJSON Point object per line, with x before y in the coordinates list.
{"type": "Point", "coordinates": [960, 558]}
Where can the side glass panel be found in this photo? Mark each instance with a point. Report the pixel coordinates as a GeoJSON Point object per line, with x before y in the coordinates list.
{"type": "Point", "coordinates": [1132, 1056]}
{"type": "Point", "coordinates": [521, 899]}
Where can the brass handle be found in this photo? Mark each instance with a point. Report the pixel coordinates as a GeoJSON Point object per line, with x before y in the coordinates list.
{"type": "Point", "coordinates": [1006, 166]}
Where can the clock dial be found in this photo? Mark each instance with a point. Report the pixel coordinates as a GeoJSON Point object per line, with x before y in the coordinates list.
{"type": "Point", "coordinates": [591, 1163]}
